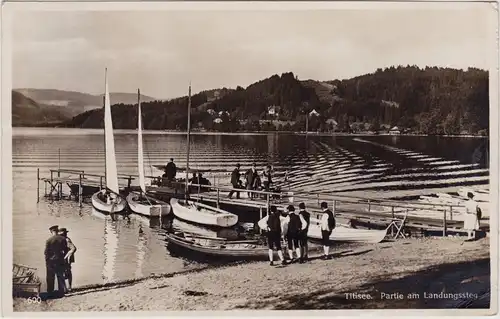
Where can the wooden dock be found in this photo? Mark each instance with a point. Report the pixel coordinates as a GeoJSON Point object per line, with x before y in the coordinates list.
{"type": "Point", "coordinates": [355, 210]}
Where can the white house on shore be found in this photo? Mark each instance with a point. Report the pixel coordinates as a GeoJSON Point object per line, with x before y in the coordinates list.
{"type": "Point", "coordinates": [395, 130]}
{"type": "Point", "coordinates": [272, 110]}
{"type": "Point", "coordinates": [218, 120]}
{"type": "Point", "coordinates": [313, 112]}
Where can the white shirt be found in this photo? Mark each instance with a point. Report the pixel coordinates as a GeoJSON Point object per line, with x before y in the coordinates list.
{"type": "Point", "coordinates": [284, 224]}
{"type": "Point", "coordinates": [324, 221]}
{"type": "Point", "coordinates": [471, 206]}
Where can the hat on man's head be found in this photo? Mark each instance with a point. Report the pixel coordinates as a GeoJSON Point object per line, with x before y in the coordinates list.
{"type": "Point", "coordinates": [302, 206]}
{"type": "Point", "coordinates": [324, 205]}
{"type": "Point", "coordinates": [290, 208]}
{"type": "Point", "coordinates": [237, 164]}
{"type": "Point", "coordinates": [54, 228]}
{"type": "Point", "coordinates": [273, 209]}
{"type": "Point", "coordinates": [63, 230]}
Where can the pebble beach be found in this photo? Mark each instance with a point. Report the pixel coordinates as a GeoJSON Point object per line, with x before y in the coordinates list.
{"type": "Point", "coordinates": [405, 273]}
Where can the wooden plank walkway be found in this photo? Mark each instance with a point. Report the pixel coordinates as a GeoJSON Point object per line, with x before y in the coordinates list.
{"type": "Point", "coordinates": [366, 210]}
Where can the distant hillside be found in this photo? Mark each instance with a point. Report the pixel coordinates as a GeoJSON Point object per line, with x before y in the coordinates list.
{"type": "Point", "coordinates": [75, 103]}
{"type": "Point", "coordinates": [431, 100]}
{"type": "Point", "coordinates": [26, 112]}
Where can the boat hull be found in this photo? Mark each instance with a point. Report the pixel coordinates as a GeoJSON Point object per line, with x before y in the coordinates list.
{"type": "Point", "coordinates": [202, 214]}
{"type": "Point", "coordinates": [159, 208]}
{"type": "Point", "coordinates": [104, 207]}
{"type": "Point", "coordinates": [346, 234]}
{"type": "Point", "coordinates": [182, 245]}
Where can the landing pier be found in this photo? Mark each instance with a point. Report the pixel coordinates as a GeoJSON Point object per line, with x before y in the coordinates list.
{"type": "Point", "coordinates": [405, 216]}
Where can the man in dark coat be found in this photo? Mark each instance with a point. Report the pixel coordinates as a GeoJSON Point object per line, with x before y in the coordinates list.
{"type": "Point", "coordinates": [252, 175]}
{"type": "Point", "coordinates": [171, 170]}
{"type": "Point", "coordinates": [304, 249]}
{"type": "Point", "coordinates": [235, 181]}
{"type": "Point", "coordinates": [69, 257]}
{"type": "Point", "coordinates": [55, 248]}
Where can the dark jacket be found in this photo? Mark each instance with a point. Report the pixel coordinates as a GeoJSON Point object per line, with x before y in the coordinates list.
{"type": "Point", "coordinates": [294, 225]}
{"type": "Point", "coordinates": [274, 223]}
{"type": "Point", "coordinates": [170, 170]}
{"type": "Point", "coordinates": [235, 177]}
{"type": "Point", "coordinates": [55, 249]}
{"type": "Point", "coordinates": [251, 177]}
{"type": "Point", "coordinates": [307, 217]}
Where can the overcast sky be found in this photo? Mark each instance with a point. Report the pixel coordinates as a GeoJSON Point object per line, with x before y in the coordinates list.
{"type": "Point", "coordinates": [160, 52]}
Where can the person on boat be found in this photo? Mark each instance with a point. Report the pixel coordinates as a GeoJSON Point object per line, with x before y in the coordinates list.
{"type": "Point", "coordinates": [69, 257]}
{"type": "Point", "coordinates": [170, 171]}
{"type": "Point", "coordinates": [272, 225]}
{"type": "Point", "coordinates": [251, 176]}
{"type": "Point", "coordinates": [235, 181]}
{"type": "Point", "coordinates": [327, 227]}
{"type": "Point", "coordinates": [471, 221]}
{"type": "Point", "coordinates": [55, 248]}
{"type": "Point", "coordinates": [296, 224]}
{"type": "Point", "coordinates": [304, 249]}
{"type": "Point", "coordinates": [267, 174]}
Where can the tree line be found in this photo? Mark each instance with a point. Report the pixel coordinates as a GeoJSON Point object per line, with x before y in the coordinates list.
{"type": "Point", "coordinates": [427, 100]}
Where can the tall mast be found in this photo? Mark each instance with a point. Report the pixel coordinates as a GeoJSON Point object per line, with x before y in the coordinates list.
{"type": "Point", "coordinates": [103, 121]}
{"type": "Point", "coordinates": [188, 139]}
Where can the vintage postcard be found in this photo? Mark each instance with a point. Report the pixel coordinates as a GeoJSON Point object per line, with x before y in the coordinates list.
{"type": "Point", "coordinates": [235, 156]}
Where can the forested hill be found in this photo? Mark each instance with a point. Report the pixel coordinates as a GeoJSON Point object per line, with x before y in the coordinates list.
{"type": "Point", "coordinates": [431, 100]}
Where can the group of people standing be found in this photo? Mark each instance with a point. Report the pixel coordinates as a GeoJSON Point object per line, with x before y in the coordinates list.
{"type": "Point", "coordinates": [59, 255]}
{"type": "Point", "coordinates": [293, 228]}
{"type": "Point", "coordinates": [253, 180]}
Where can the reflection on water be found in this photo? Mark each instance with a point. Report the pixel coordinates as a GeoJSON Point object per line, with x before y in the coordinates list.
{"type": "Point", "coordinates": [381, 166]}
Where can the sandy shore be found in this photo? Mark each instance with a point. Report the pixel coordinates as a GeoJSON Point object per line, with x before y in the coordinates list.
{"type": "Point", "coordinates": [375, 272]}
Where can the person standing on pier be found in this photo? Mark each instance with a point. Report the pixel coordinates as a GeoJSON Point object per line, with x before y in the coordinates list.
{"type": "Point", "coordinates": [235, 181]}
{"type": "Point", "coordinates": [55, 248]}
{"type": "Point", "coordinates": [252, 175]}
{"type": "Point", "coordinates": [170, 170]}
{"type": "Point", "coordinates": [267, 178]}
{"type": "Point", "coordinates": [69, 257]}
{"type": "Point", "coordinates": [296, 224]}
{"type": "Point", "coordinates": [304, 249]}
{"type": "Point", "coordinates": [471, 221]}
{"type": "Point", "coordinates": [272, 224]}
{"type": "Point", "coordinates": [327, 226]}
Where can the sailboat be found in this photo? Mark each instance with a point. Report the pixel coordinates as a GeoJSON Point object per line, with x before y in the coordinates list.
{"type": "Point", "coordinates": [196, 212]}
{"type": "Point", "coordinates": [139, 202]}
{"type": "Point", "coordinates": [102, 202]}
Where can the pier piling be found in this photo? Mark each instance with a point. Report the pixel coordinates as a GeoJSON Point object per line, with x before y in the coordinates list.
{"type": "Point", "coordinates": [444, 223]}
{"type": "Point", "coordinates": [80, 191]}
{"type": "Point", "coordinates": [38, 185]}
{"type": "Point", "coordinates": [451, 212]}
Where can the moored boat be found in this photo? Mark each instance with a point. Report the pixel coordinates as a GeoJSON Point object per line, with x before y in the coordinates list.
{"type": "Point", "coordinates": [346, 234]}
{"type": "Point", "coordinates": [200, 213]}
{"type": "Point", "coordinates": [99, 200]}
{"type": "Point", "coordinates": [139, 202]}
{"type": "Point", "coordinates": [218, 248]}
{"type": "Point", "coordinates": [147, 205]}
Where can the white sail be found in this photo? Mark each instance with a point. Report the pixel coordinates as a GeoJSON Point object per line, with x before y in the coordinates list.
{"type": "Point", "coordinates": [140, 153]}
{"type": "Point", "coordinates": [111, 172]}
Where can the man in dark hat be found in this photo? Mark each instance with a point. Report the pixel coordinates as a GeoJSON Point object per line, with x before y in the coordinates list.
{"type": "Point", "coordinates": [304, 249]}
{"type": "Point", "coordinates": [235, 181]}
{"type": "Point", "coordinates": [171, 170]}
{"type": "Point", "coordinates": [55, 248]}
{"type": "Point", "coordinates": [69, 257]}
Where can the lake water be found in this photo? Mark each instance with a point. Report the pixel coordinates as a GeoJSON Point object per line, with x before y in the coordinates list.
{"type": "Point", "coordinates": [376, 166]}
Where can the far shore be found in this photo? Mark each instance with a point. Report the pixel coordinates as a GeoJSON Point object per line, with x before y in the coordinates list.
{"type": "Point", "coordinates": [32, 130]}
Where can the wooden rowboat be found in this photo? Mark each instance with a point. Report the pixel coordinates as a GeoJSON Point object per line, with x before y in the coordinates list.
{"type": "Point", "coordinates": [202, 214]}
{"type": "Point", "coordinates": [217, 247]}
{"type": "Point", "coordinates": [24, 281]}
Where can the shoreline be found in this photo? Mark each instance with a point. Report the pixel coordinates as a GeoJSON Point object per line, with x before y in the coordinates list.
{"type": "Point", "coordinates": [35, 130]}
{"type": "Point", "coordinates": [424, 267]}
